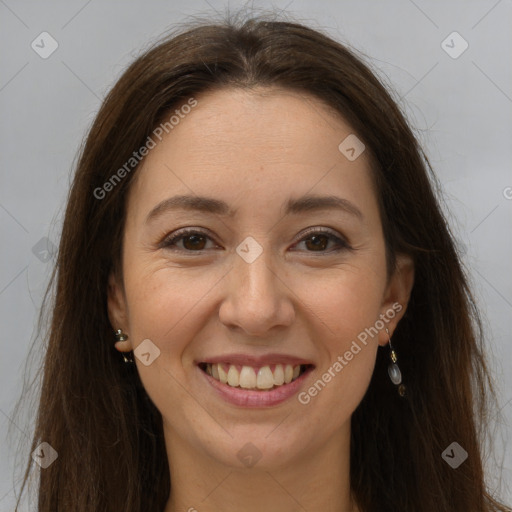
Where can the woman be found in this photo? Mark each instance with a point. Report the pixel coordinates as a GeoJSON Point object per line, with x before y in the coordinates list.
{"type": "Point", "coordinates": [258, 305]}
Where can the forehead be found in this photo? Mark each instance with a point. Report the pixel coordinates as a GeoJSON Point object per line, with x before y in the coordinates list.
{"type": "Point", "coordinates": [256, 145]}
{"type": "Point", "coordinates": [279, 124]}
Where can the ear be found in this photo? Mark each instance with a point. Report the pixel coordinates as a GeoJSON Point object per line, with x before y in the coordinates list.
{"type": "Point", "coordinates": [117, 311]}
{"type": "Point", "coordinates": [396, 296]}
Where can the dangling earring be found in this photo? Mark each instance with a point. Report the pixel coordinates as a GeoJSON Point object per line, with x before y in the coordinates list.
{"type": "Point", "coordinates": [393, 371]}
{"type": "Point", "coordinates": [121, 336]}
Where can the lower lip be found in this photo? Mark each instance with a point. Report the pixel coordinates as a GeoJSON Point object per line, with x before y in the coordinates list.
{"type": "Point", "coordinates": [247, 398]}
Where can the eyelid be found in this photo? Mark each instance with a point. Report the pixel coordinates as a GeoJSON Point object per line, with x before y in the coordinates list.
{"type": "Point", "coordinates": [323, 230]}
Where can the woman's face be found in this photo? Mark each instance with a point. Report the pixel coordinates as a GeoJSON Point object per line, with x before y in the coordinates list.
{"type": "Point", "coordinates": [267, 279]}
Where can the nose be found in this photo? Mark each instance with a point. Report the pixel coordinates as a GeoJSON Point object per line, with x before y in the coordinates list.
{"type": "Point", "coordinates": [257, 300]}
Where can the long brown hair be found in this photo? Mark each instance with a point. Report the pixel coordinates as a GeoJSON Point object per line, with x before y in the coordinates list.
{"type": "Point", "coordinates": [93, 409]}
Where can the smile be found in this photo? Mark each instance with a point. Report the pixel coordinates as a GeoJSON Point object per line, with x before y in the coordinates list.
{"type": "Point", "coordinates": [263, 378]}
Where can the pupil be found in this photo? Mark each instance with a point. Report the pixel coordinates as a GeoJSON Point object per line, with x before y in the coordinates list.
{"type": "Point", "coordinates": [195, 238]}
{"type": "Point", "coordinates": [317, 242]}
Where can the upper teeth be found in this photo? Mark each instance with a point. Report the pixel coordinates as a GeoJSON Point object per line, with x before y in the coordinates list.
{"type": "Point", "coordinates": [249, 378]}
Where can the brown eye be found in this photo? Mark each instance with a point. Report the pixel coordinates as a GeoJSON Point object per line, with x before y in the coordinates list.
{"type": "Point", "coordinates": [192, 241]}
{"type": "Point", "coordinates": [318, 241]}
{"type": "Point", "coordinates": [195, 241]}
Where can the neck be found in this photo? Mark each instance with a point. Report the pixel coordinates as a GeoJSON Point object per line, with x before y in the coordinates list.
{"type": "Point", "coordinates": [317, 478]}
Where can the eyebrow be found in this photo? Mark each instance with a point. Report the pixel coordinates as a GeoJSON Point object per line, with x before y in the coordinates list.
{"type": "Point", "coordinates": [307, 203]}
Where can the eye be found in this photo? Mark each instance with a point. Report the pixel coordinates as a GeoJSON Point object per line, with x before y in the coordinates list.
{"type": "Point", "coordinates": [194, 240]}
{"type": "Point", "coordinates": [318, 240]}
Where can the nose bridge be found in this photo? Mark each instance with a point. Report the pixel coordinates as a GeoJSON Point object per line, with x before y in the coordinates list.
{"type": "Point", "coordinates": [254, 269]}
{"type": "Point", "coordinates": [256, 296]}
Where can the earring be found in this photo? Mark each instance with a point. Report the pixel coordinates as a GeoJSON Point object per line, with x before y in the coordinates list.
{"type": "Point", "coordinates": [121, 336]}
{"type": "Point", "coordinates": [393, 371]}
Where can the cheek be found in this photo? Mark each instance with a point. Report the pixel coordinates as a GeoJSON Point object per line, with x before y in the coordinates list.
{"type": "Point", "coordinates": [164, 303]}
{"type": "Point", "coordinates": [348, 335]}
{"type": "Point", "coordinates": [165, 307]}
{"type": "Point", "coordinates": [337, 390]}
{"type": "Point", "coordinates": [346, 300]}
{"type": "Point", "coordinates": [345, 312]}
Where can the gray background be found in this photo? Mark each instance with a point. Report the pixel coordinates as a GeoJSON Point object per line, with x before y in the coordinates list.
{"type": "Point", "coordinates": [460, 107]}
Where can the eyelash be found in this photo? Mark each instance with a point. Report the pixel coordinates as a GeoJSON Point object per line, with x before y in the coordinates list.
{"type": "Point", "coordinates": [168, 242]}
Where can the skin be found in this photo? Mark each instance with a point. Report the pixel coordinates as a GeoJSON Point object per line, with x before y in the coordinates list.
{"type": "Point", "coordinates": [255, 150]}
